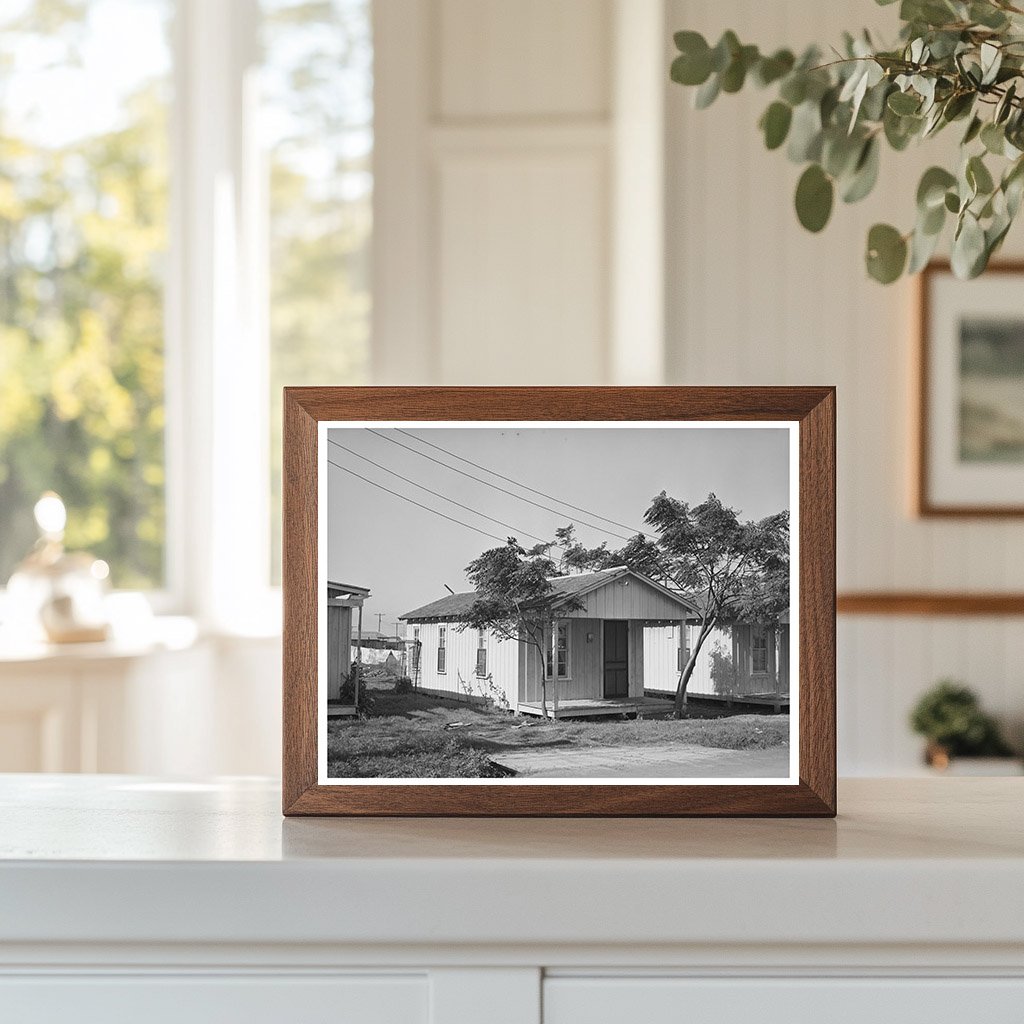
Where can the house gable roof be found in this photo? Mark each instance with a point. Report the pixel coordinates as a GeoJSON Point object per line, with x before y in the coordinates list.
{"type": "Point", "coordinates": [456, 606]}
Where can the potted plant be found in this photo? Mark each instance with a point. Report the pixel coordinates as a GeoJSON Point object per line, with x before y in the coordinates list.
{"type": "Point", "coordinates": [950, 718]}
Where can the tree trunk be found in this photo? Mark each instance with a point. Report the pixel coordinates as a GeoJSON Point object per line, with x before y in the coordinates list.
{"type": "Point", "coordinates": [691, 663]}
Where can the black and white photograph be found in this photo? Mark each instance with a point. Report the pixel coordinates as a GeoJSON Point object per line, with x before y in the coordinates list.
{"type": "Point", "coordinates": [539, 602]}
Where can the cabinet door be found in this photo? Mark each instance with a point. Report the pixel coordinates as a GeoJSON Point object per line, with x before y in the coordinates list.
{"type": "Point", "coordinates": [676, 1000]}
{"type": "Point", "coordinates": [202, 999]}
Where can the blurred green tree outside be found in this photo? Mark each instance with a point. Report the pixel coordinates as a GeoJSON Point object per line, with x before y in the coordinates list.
{"type": "Point", "coordinates": [83, 215]}
{"type": "Point", "coordinates": [318, 116]}
{"type": "Point", "coordinates": [83, 242]}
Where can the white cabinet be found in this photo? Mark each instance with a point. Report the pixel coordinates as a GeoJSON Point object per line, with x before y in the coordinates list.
{"type": "Point", "coordinates": [830, 1000]}
{"type": "Point", "coordinates": [216, 1000]}
{"type": "Point", "coordinates": [127, 899]}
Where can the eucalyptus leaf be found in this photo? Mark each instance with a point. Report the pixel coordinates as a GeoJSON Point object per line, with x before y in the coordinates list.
{"type": "Point", "coordinates": [969, 252]}
{"type": "Point", "coordinates": [922, 247]}
{"type": "Point", "coordinates": [931, 190]}
{"type": "Point", "coordinates": [886, 253]}
{"type": "Point", "coordinates": [932, 221]}
{"type": "Point", "coordinates": [993, 138]}
{"type": "Point", "coordinates": [978, 176]}
{"type": "Point", "coordinates": [1005, 105]}
{"type": "Point", "coordinates": [735, 74]}
{"type": "Point", "coordinates": [991, 60]}
{"type": "Point", "coordinates": [904, 103]}
{"type": "Point", "coordinates": [973, 130]}
{"type": "Point", "coordinates": [775, 124]}
{"type": "Point", "coordinates": [724, 51]}
{"type": "Point", "coordinates": [814, 196]}
{"type": "Point", "coordinates": [805, 133]}
{"type": "Point", "coordinates": [957, 106]}
{"type": "Point", "coordinates": [771, 69]}
{"type": "Point", "coordinates": [794, 88]}
{"type": "Point", "coordinates": [987, 15]}
{"type": "Point", "coordinates": [707, 93]}
{"type": "Point", "coordinates": [840, 152]}
{"type": "Point", "coordinates": [865, 173]}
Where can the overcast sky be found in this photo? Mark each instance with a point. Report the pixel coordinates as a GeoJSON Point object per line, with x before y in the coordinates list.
{"type": "Point", "coordinates": [405, 555]}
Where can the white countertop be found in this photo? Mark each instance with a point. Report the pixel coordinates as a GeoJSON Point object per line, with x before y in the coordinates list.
{"type": "Point", "coordinates": [121, 859]}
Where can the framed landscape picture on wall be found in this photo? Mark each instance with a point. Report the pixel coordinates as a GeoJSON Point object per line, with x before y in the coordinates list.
{"type": "Point", "coordinates": [970, 445]}
{"type": "Point", "coordinates": [559, 601]}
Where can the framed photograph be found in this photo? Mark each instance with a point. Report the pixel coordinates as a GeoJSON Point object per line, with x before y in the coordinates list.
{"type": "Point", "coordinates": [970, 445]}
{"type": "Point", "coordinates": [559, 601]}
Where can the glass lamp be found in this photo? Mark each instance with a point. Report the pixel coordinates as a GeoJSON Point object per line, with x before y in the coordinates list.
{"type": "Point", "coordinates": [55, 595]}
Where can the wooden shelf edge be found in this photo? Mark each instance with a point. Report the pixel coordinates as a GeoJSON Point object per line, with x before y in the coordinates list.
{"type": "Point", "coordinates": [928, 603]}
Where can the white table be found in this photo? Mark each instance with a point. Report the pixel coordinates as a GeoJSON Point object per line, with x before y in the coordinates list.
{"type": "Point", "coordinates": [124, 898]}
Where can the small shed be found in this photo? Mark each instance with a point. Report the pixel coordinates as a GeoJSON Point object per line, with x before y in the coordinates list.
{"type": "Point", "coordinates": [342, 599]}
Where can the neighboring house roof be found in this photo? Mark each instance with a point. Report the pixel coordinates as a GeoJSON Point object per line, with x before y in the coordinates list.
{"type": "Point", "coordinates": [347, 588]}
{"type": "Point", "coordinates": [456, 606]}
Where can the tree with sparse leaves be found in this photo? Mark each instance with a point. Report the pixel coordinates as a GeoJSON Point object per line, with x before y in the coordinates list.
{"type": "Point", "coordinates": [732, 570]}
{"type": "Point", "coordinates": [515, 599]}
{"type": "Point", "coordinates": [957, 61]}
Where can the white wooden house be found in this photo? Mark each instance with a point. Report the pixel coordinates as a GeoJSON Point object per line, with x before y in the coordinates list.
{"type": "Point", "coordinates": [593, 659]}
{"type": "Point", "coordinates": [738, 661]}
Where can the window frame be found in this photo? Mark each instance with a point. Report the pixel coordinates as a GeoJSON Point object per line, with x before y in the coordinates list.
{"type": "Point", "coordinates": [442, 650]}
{"type": "Point", "coordinates": [758, 643]}
{"type": "Point", "coordinates": [551, 651]}
{"type": "Point", "coordinates": [481, 653]}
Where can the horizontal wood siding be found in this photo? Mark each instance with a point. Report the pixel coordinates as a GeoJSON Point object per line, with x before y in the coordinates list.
{"type": "Point", "coordinates": [724, 665]}
{"type": "Point", "coordinates": [459, 678]}
{"type": "Point", "coordinates": [661, 672]}
{"type": "Point", "coordinates": [628, 598]}
{"type": "Point", "coordinates": [586, 667]}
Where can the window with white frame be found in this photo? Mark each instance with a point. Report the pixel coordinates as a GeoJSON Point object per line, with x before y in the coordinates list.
{"type": "Point", "coordinates": [442, 649]}
{"type": "Point", "coordinates": [481, 653]}
{"type": "Point", "coordinates": [759, 650]}
{"type": "Point", "coordinates": [317, 125]}
{"type": "Point", "coordinates": [84, 218]}
{"type": "Point", "coordinates": [557, 664]}
{"type": "Point", "coordinates": [184, 229]}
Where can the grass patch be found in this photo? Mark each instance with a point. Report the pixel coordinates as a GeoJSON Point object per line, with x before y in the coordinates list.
{"type": "Point", "coordinates": [426, 755]}
{"type": "Point", "coordinates": [741, 732]}
{"type": "Point", "coordinates": [416, 735]}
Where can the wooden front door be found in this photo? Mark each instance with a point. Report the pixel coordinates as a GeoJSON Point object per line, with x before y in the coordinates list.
{"type": "Point", "coordinates": [616, 658]}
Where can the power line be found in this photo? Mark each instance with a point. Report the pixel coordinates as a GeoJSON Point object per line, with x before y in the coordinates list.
{"type": "Point", "coordinates": [427, 508]}
{"type": "Point", "coordinates": [437, 494]}
{"type": "Point", "coordinates": [487, 483]}
{"type": "Point", "coordinates": [511, 480]}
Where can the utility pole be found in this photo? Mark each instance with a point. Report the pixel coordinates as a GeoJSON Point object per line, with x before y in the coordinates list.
{"type": "Point", "coordinates": [380, 615]}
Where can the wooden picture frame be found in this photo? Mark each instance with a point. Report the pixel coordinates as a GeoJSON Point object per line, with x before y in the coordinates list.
{"type": "Point", "coordinates": [811, 411]}
{"type": "Point", "coordinates": [933, 478]}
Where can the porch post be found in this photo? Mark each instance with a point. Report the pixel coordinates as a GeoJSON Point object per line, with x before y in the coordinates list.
{"type": "Point", "coordinates": [554, 666]}
{"type": "Point", "coordinates": [359, 655]}
{"type": "Point", "coordinates": [684, 655]}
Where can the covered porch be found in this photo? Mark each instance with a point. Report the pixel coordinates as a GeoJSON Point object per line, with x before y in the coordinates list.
{"type": "Point", "coordinates": [594, 707]}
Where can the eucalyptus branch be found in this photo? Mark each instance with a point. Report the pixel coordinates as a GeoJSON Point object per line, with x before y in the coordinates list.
{"type": "Point", "coordinates": [955, 61]}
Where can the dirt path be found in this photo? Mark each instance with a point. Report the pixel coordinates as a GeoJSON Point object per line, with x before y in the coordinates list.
{"type": "Point", "coordinates": [653, 761]}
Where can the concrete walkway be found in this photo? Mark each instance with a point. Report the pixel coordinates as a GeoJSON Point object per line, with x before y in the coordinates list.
{"type": "Point", "coordinates": [654, 761]}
